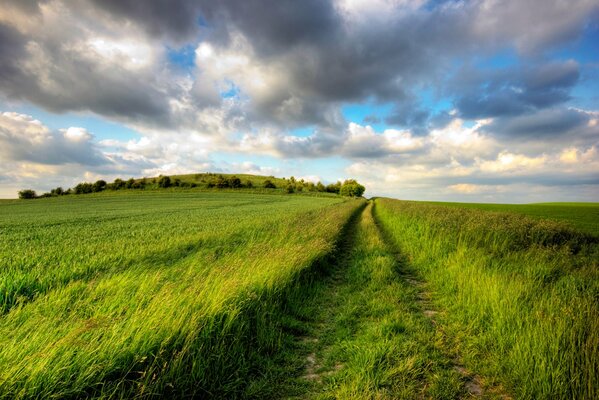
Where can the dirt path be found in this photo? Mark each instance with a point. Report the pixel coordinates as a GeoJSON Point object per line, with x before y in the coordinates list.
{"type": "Point", "coordinates": [368, 331]}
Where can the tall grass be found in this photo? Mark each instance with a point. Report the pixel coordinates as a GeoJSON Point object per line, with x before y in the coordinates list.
{"type": "Point", "coordinates": [521, 295]}
{"type": "Point", "coordinates": [150, 294]}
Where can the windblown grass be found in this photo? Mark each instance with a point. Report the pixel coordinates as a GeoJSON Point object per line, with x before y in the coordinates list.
{"type": "Point", "coordinates": [151, 294]}
{"type": "Point", "coordinates": [520, 294]}
{"type": "Point", "coordinates": [582, 216]}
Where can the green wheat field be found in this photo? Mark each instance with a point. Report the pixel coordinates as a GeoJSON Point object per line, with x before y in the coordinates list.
{"type": "Point", "coordinates": [196, 292]}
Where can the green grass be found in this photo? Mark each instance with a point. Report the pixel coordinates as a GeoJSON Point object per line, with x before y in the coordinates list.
{"type": "Point", "coordinates": [362, 334]}
{"type": "Point", "coordinates": [152, 293]}
{"type": "Point", "coordinates": [583, 216]}
{"type": "Point", "coordinates": [519, 294]}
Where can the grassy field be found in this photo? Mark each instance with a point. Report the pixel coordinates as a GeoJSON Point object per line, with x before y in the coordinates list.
{"type": "Point", "coordinates": [182, 293]}
{"type": "Point", "coordinates": [517, 295]}
{"type": "Point", "coordinates": [583, 216]}
{"type": "Point", "coordinates": [151, 293]}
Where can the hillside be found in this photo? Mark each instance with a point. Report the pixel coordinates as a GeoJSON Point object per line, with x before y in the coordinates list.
{"type": "Point", "coordinates": [207, 181]}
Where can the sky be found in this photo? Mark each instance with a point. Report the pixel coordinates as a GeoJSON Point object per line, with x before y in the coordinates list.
{"type": "Point", "coordinates": [476, 101]}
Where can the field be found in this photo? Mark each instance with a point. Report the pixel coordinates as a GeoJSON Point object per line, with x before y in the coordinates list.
{"type": "Point", "coordinates": [583, 216]}
{"type": "Point", "coordinates": [517, 297]}
{"type": "Point", "coordinates": [150, 293]}
{"type": "Point", "coordinates": [240, 294]}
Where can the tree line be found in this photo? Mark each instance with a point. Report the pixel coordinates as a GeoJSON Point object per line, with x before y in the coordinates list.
{"type": "Point", "coordinates": [349, 187]}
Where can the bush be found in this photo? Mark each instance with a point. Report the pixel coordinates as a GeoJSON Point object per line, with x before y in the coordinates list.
{"type": "Point", "coordinates": [351, 188]}
{"type": "Point", "coordinates": [249, 184]}
{"type": "Point", "coordinates": [269, 185]}
{"type": "Point", "coordinates": [99, 185]}
{"type": "Point", "coordinates": [164, 182]}
{"type": "Point", "coordinates": [234, 182]}
{"type": "Point", "coordinates": [320, 187]}
{"type": "Point", "coordinates": [59, 191]}
{"type": "Point", "coordinates": [334, 187]}
{"type": "Point", "coordinates": [118, 184]}
{"type": "Point", "coordinates": [27, 194]}
{"type": "Point", "coordinates": [177, 182]}
{"type": "Point", "coordinates": [290, 188]}
{"type": "Point", "coordinates": [221, 182]}
{"type": "Point", "coordinates": [84, 188]}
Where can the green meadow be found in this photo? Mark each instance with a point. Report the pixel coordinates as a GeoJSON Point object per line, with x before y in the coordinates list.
{"type": "Point", "coordinates": [194, 292]}
{"type": "Point", "coordinates": [584, 216]}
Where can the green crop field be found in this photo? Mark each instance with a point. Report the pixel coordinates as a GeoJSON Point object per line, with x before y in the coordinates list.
{"type": "Point", "coordinates": [193, 292]}
{"type": "Point", "coordinates": [584, 216]}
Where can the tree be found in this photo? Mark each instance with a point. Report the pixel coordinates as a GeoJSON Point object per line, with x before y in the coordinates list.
{"type": "Point", "coordinates": [118, 184]}
{"type": "Point", "coordinates": [57, 192]}
{"type": "Point", "coordinates": [221, 182]}
{"type": "Point", "coordinates": [269, 185]}
{"type": "Point", "coordinates": [249, 184]}
{"type": "Point", "coordinates": [84, 188]}
{"type": "Point", "coordinates": [334, 187]}
{"type": "Point", "coordinates": [99, 185]}
{"type": "Point", "coordinates": [351, 188]}
{"type": "Point", "coordinates": [290, 188]}
{"type": "Point", "coordinates": [27, 194]}
{"type": "Point", "coordinates": [164, 182]}
{"type": "Point", "coordinates": [234, 182]}
{"type": "Point", "coordinates": [320, 187]}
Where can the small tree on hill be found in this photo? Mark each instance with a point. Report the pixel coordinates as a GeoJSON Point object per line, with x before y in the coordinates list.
{"type": "Point", "coordinates": [118, 184]}
{"type": "Point", "coordinates": [269, 185]}
{"type": "Point", "coordinates": [99, 185]}
{"type": "Point", "coordinates": [164, 182]}
{"type": "Point", "coordinates": [27, 194]}
{"type": "Point", "coordinates": [351, 188]}
{"type": "Point", "coordinates": [221, 182]}
{"type": "Point", "coordinates": [234, 182]}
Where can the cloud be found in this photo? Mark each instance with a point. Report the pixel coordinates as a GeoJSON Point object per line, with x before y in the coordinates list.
{"type": "Point", "coordinates": [450, 106]}
{"type": "Point", "coordinates": [513, 91]}
{"type": "Point", "coordinates": [545, 124]}
{"type": "Point", "coordinates": [23, 138]}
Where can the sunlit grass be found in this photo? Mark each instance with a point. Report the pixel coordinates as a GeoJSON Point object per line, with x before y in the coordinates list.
{"type": "Point", "coordinates": [151, 293]}
{"type": "Point", "coordinates": [520, 294]}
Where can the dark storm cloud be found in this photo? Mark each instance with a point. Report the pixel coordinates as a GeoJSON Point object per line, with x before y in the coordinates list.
{"type": "Point", "coordinates": [11, 50]}
{"type": "Point", "coordinates": [173, 19]}
{"type": "Point", "coordinates": [273, 27]}
{"type": "Point", "coordinates": [543, 124]}
{"type": "Point", "coordinates": [60, 80]}
{"type": "Point", "coordinates": [514, 91]}
{"type": "Point", "coordinates": [327, 57]}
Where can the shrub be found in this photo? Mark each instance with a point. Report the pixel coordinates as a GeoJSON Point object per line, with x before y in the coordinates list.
{"type": "Point", "coordinates": [164, 182]}
{"type": "Point", "coordinates": [118, 184]}
{"type": "Point", "coordinates": [290, 188]}
{"type": "Point", "coordinates": [320, 187]}
{"type": "Point", "coordinates": [99, 185]}
{"type": "Point", "coordinates": [221, 182]}
{"type": "Point", "coordinates": [249, 184]}
{"type": "Point", "coordinates": [84, 188]}
{"type": "Point", "coordinates": [177, 182]}
{"type": "Point", "coordinates": [57, 192]}
{"type": "Point", "coordinates": [351, 188]}
{"type": "Point", "coordinates": [269, 185]}
{"type": "Point", "coordinates": [234, 182]}
{"type": "Point", "coordinates": [334, 187]}
{"type": "Point", "coordinates": [27, 194]}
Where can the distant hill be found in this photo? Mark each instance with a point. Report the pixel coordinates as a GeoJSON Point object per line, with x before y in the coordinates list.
{"type": "Point", "coordinates": [207, 181]}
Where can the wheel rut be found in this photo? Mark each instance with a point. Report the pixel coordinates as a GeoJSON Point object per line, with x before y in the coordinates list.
{"type": "Point", "coordinates": [367, 330]}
